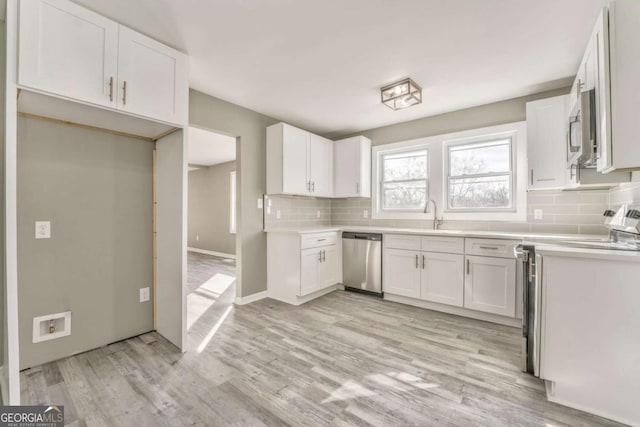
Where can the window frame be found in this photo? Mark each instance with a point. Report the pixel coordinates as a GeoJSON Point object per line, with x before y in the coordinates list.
{"type": "Point", "coordinates": [448, 145]}
{"type": "Point", "coordinates": [437, 178]}
{"type": "Point", "coordinates": [233, 200]}
{"type": "Point", "coordinates": [383, 182]}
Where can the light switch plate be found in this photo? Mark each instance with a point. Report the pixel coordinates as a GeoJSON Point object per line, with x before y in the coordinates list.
{"type": "Point", "coordinates": [365, 213]}
{"type": "Point", "coordinates": [145, 294]}
{"type": "Point", "coordinates": [260, 203]}
{"type": "Point", "coordinates": [43, 229]}
{"type": "Point", "coordinates": [537, 214]}
{"type": "Point", "coordinates": [317, 214]}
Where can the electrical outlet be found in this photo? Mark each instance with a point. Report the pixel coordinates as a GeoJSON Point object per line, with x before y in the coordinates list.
{"type": "Point", "coordinates": [537, 214]}
{"type": "Point", "coordinates": [145, 294]}
{"type": "Point", "coordinates": [260, 203]}
{"type": "Point", "coordinates": [278, 215]}
{"type": "Point", "coordinates": [365, 213]}
{"type": "Point", "coordinates": [318, 214]}
{"type": "Point", "coordinates": [43, 230]}
{"type": "Point", "coordinates": [197, 237]}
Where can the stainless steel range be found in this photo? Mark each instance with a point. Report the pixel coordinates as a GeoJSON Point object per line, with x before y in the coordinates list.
{"type": "Point", "coordinates": [624, 235]}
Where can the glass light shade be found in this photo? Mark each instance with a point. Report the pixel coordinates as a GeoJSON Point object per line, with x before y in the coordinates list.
{"type": "Point", "coordinates": [402, 94]}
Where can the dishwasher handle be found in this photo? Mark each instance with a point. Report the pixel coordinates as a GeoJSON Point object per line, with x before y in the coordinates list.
{"type": "Point", "coordinates": [362, 236]}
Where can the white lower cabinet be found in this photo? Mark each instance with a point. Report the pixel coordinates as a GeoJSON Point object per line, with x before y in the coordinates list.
{"type": "Point", "coordinates": [318, 269]}
{"type": "Point", "coordinates": [442, 278]}
{"type": "Point", "coordinates": [401, 272]}
{"type": "Point", "coordinates": [490, 285]}
{"type": "Point", "coordinates": [301, 267]}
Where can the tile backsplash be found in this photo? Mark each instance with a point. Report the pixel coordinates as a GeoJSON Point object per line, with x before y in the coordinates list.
{"type": "Point", "coordinates": [626, 193]}
{"type": "Point", "coordinates": [296, 212]}
{"type": "Point", "coordinates": [562, 212]}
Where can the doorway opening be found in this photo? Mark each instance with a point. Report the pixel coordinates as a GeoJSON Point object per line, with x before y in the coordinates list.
{"type": "Point", "coordinates": [211, 233]}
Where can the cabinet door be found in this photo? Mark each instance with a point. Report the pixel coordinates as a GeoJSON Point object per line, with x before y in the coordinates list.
{"type": "Point", "coordinates": [68, 50]}
{"type": "Point", "coordinates": [309, 261]}
{"type": "Point", "coordinates": [490, 285]}
{"type": "Point", "coordinates": [600, 47]}
{"type": "Point", "coordinates": [321, 165]}
{"type": "Point", "coordinates": [401, 273]}
{"type": "Point", "coordinates": [442, 278]}
{"type": "Point", "coordinates": [152, 78]}
{"type": "Point", "coordinates": [328, 267]}
{"type": "Point", "coordinates": [295, 143]}
{"type": "Point", "coordinates": [352, 167]}
{"type": "Point", "coordinates": [347, 168]}
{"type": "Point", "coordinates": [546, 139]}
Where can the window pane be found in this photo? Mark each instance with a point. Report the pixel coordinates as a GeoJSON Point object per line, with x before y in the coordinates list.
{"type": "Point", "coordinates": [486, 157]}
{"type": "Point", "coordinates": [404, 195]}
{"type": "Point", "coordinates": [406, 165]}
{"type": "Point", "coordinates": [486, 192]}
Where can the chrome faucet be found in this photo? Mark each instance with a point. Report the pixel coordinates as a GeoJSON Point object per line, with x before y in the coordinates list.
{"type": "Point", "coordinates": [437, 222]}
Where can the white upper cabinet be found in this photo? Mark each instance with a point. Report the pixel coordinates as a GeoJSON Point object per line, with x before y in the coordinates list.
{"type": "Point", "coordinates": [320, 165]}
{"type": "Point", "coordinates": [68, 50]}
{"type": "Point", "coordinates": [611, 66]}
{"type": "Point", "coordinates": [546, 139]}
{"type": "Point", "coordinates": [298, 162]}
{"type": "Point", "coordinates": [352, 167]}
{"type": "Point", "coordinates": [152, 78]}
{"type": "Point", "coordinates": [72, 52]}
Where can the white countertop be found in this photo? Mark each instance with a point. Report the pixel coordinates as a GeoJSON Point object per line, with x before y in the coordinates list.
{"type": "Point", "coordinates": [544, 242]}
{"type": "Point", "coordinates": [532, 237]}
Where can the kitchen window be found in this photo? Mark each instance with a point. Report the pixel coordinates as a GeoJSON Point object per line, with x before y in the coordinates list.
{"type": "Point", "coordinates": [480, 175]}
{"type": "Point", "coordinates": [404, 185]}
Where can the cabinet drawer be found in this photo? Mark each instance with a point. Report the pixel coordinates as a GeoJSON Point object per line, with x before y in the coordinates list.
{"type": "Point", "coordinates": [491, 247]}
{"type": "Point", "coordinates": [318, 239]}
{"type": "Point", "coordinates": [449, 245]}
{"type": "Point", "coordinates": [401, 241]}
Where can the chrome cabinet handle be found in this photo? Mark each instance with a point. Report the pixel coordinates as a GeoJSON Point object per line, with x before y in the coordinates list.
{"type": "Point", "coordinates": [124, 93]}
{"type": "Point", "coordinates": [309, 186]}
{"type": "Point", "coordinates": [532, 176]}
{"type": "Point", "coordinates": [423, 262]}
{"type": "Point", "coordinates": [110, 89]}
{"type": "Point", "coordinates": [320, 256]}
{"type": "Point", "coordinates": [493, 248]}
{"type": "Point", "coordinates": [313, 186]}
{"type": "Point", "coordinates": [468, 267]}
{"type": "Point", "coordinates": [357, 188]}
{"type": "Point", "coordinates": [320, 240]}
{"type": "Point", "coordinates": [324, 255]}
{"type": "Point", "coordinates": [417, 262]}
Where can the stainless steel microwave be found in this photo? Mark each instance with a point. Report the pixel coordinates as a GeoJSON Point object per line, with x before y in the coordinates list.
{"type": "Point", "coordinates": [582, 135]}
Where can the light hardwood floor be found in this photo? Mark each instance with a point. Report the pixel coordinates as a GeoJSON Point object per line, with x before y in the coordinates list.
{"type": "Point", "coordinates": [343, 359]}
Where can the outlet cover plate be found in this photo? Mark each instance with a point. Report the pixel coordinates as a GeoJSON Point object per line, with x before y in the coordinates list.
{"type": "Point", "coordinates": [145, 294]}
{"type": "Point", "coordinates": [43, 229]}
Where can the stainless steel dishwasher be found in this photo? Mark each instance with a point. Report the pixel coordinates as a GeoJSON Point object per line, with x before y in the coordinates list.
{"type": "Point", "coordinates": [362, 262]}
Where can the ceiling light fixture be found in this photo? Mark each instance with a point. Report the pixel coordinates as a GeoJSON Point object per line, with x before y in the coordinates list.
{"type": "Point", "coordinates": [402, 94]}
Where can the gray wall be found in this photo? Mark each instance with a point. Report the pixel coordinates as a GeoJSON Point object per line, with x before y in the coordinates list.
{"type": "Point", "coordinates": [209, 209]}
{"type": "Point", "coordinates": [96, 189]}
{"type": "Point", "coordinates": [250, 127]}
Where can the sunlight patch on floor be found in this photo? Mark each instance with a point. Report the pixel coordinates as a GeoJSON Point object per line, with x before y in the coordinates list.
{"type": "Point", "coordinates": [205, 342]}
{"type": "Point", "coordinates": [399, 381]}
{"type": "Point", "coordinates": [349, 390]}
{"type": "Point", "coordinates": [199, 301]}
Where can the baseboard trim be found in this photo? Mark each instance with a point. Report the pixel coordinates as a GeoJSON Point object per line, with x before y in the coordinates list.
{"type": "Point", "coordinates": [214, 253]}
{"type": "Point", "coordinates": [251, 298]}
{"type": "Point", "coordinates": [459, 311]}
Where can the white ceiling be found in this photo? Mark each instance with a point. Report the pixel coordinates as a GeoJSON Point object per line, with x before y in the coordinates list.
{"type": "Point", "coordinates": [319, 63]}
{"type": "Point", "coordinates": [209, 148]}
